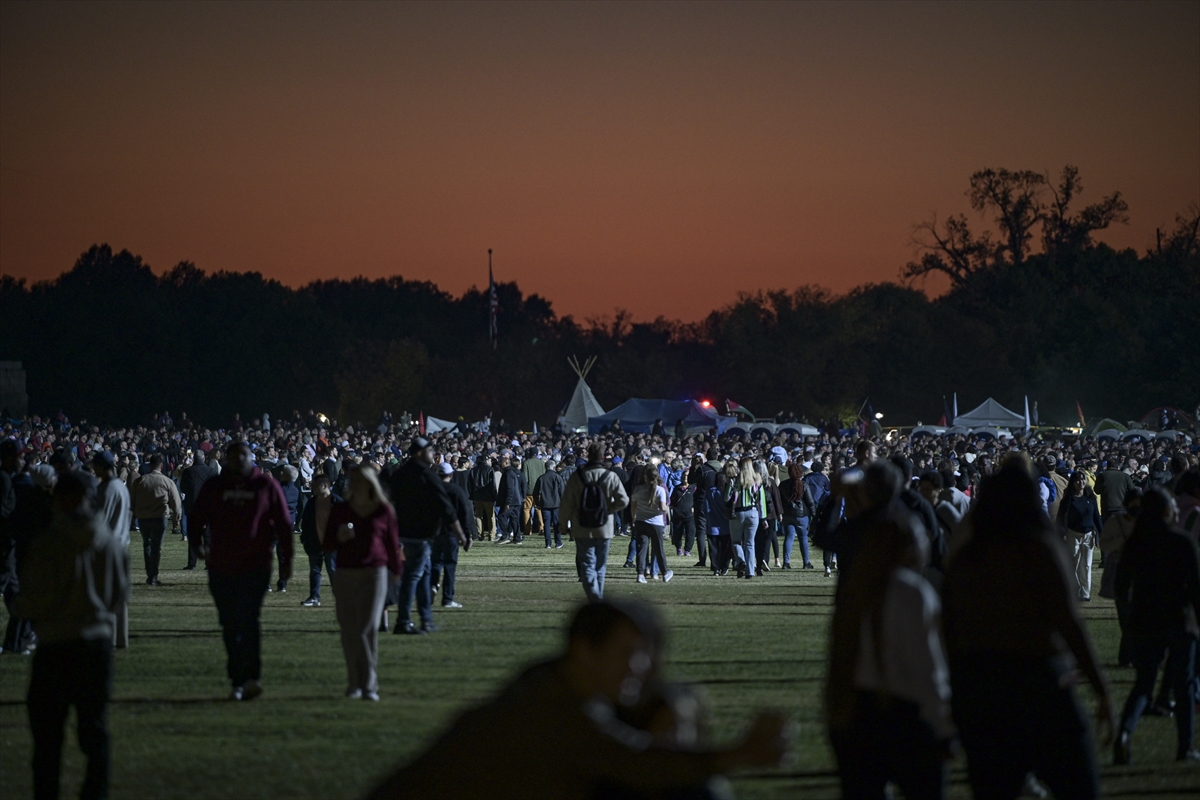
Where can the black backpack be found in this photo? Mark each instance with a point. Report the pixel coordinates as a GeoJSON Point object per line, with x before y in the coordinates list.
{"type": "Point", "coordinates": [593, 501]}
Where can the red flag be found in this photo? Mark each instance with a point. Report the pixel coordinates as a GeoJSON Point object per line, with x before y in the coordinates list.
{"type": "Point", "coordinates": [1079, 411]}
{"type": "Point", "coordinates": [942, 421]}
{"type": "Point", "coordinates": [421, 423]}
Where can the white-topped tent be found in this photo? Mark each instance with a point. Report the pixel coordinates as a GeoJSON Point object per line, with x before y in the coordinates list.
{"type": "Point", "coordinates": [990, 415]}
{"type": "Point", "coordinates": [583, 403]}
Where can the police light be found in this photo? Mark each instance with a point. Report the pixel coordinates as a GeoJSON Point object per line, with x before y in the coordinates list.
{"type": "Point", "coordinates": [705, 403]}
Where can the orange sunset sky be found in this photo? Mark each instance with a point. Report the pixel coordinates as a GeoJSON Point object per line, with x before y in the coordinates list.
{"type": "Point", "coordinates": [655, 157]}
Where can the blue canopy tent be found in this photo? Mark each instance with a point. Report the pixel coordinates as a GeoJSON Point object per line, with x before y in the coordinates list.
{"type": "Point", "coordinates": [638, 416]}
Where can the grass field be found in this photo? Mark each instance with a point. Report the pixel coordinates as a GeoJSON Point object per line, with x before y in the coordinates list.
{"type": "Point", "coordinates": [748, 646]}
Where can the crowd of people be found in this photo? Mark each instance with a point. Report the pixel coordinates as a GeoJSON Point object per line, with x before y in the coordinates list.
{"type": "Point", "coordinates": [995, 535]}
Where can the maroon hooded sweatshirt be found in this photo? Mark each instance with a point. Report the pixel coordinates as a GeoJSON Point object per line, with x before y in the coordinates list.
{"type": "Point", "coordinates": [245, 517]}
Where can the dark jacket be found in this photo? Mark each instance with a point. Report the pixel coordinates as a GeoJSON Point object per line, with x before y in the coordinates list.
{"type": "Point", "coordinates": [548, 490]}
{"type": "Point", "coordinates": [512, 490]}
{"type": "Point", "coordinates": [293, 498]}
{"type": "Point", "coordinates": [796, 509]}
{"type": "Point", "coordinates": [482, 482]}
{"type": "Point", "coordinates": [308, 523]}
{"type": "Point", "coordinates": [1159, 571]}
{"type": "Point", "coordinates": [421, 500]}
{"type": "Point", "coordinates": [190, 482]}
{"type": "Point", "coordinates": [463, 510]}
{"type": "Point", "coordinates": [1079, 514]}
{"type": "Point", "coordinates": [919, 506]}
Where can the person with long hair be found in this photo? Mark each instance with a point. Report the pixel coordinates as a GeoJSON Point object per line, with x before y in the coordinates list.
{"type": "Point", "coordinates": [766, 539]}
{"type": "Point", "coordinates": [1011, 627]}
{"type": "Point", "coordinates": [798, 508]}
{"type": "Point", "coordinates": [363, 533]}
{"type": "Point", "coordinates": [748, 505]}
{"type": "Point", "coordinates": [649, 501]}
{"type": "Point", "coordinates": [720, 548]}
{"type": "Point", "coordinates": [1079, 522]}
{"type": "Point", "coordinates": [1159, 571]}
{"type": "Point", "coordinates": [887, 696]}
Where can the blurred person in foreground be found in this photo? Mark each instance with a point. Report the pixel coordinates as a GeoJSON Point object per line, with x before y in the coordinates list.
{"type": "Point", "coordinates": [1014, 638]}
{"type": "Point", "coordinates": [583, 701]}
{"type": "Point", "coordinates": [116, 509]}
{"type": "Point", "coordinates": [246, 516]}
{"type": "Point", "coordinates": [73, 584]}
{"type": "Point", "coordinates": [888, 693]}
{"type": "Point", "coordinates": [1159, 572]}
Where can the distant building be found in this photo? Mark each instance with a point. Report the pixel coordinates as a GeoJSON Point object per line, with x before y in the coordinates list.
{"type": "Point", "coordinates": [12, 389]}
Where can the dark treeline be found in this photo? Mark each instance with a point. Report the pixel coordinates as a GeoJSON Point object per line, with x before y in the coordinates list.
{"type": "Point", "coordinates": [111, 341]}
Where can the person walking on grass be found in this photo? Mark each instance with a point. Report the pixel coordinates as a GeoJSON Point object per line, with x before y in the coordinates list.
{"type": "Point", "coordinates": [363, 535]}
{"type": "Point", "coordinates": [1079, 523]}
{"type": "Point", "coordinates": [1012, 639]}
{"type": "Point", "coordinates": [748, 502]}
{"type": "Point", "coordinates": [444, 559]}
{"type": "Point", "coordinates": [73, 584]}
{"type": "Point", "coordinates": [1159, 571]}
{"type": "Point", "coordinates": [155, 502]}
{"type": "Point", "coordinates": [798, 509]}
{"type": "Point", "coordinates": [591, 502]}
{"type": "Point", "coordinates": [247, 518]}
{"type": "Point", "coordinates": [888, 690]}
{"type": "Point", "coordinates": [423, 508]}
{"type": "Point", "coordinates": [112, 499]}
{"type": "Point", "coordinates": [650, 508]}
{"type": "Point", "coordinates": [548, 492]}
{"type": "Point", "coordinates": [313, 530]}
{"type": "Point", "coordinates": [191, 480]}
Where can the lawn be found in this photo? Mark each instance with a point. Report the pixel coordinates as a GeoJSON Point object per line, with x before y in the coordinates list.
{"type": "Point", "coordinates": [748, 646]}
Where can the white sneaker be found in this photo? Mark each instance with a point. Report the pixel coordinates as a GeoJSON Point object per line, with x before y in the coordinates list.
{"type": "Point", "coordinates": [452, 604]}
{"type": "Point", "coordinates": [667, 577]}
{"type": "Point", "coordinates": [372, 696]}
{"type": "Point", "coordinates": [354, 694]}
{"type": "Point", "coordinates": [236, 694]}
{"type": "Point", "coordinates": [641, 578]}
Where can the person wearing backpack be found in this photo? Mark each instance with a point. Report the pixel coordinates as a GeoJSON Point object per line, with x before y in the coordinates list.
{"type": "Point", "coordinates": [591, 500]}
{"type": "Point", "coordinates": [749, 505]}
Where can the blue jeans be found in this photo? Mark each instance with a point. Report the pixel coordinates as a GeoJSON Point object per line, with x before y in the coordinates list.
{"type": "Point", "coordinates": [551, 526]}
{"type": "Point", "coordinates": [591, 559]}
{"type": "Point", "coordinates": [744, 526]}
{"type": "Point", "coordinates": [795, 529]}
{"type": "Point", "coordinates": [239, 603]}
{"type": "Point", "coordinates": [415, 582]}
{"type": "Point", "coordinates": [1148, 650]}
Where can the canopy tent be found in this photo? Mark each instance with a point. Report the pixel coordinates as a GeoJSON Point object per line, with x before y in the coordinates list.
{"type": "Point", "coordinates": [583, 403]}
{"type": "Point", "coordinates": [638, 416]}
{"type": "Point", "coordinates": [1105, 424]}
{"type": "Point", "coordinates": [1144, 435]}
{"type": "Point", "coordinates": [1152, 419]}
{"type": "Point", "coordinates": [990, 415]}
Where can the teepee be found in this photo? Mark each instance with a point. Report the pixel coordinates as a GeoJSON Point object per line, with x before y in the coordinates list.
{"type": "Point", "coordinates": [583, 403]}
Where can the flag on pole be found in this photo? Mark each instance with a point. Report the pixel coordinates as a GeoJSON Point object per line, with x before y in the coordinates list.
{"type": "Point", "coordinates": [493, 304]}
{"type": "Point", "coordinates": [732, 407]}
{"type": "Point", "coordinates": [955, 409]}
{"type": "Point", "coordinates": [1027, 425]}
{"type": "Point", "coordinates": [1079, 411]}
{"type": "Point", "coordinates": [421, 423]}
{"type": "Point", "coordinates": [946, 418]}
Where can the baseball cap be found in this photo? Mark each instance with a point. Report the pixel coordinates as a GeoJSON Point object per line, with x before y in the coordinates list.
{"type": "Point", "coordinates": [419, 444]}
{"type": "Point", "coordinates": [103, 458]}
{"type": "Point", "coordinates": [444, 468]}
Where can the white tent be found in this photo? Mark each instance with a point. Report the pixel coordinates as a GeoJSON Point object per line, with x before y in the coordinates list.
{"type": "Point", "coordinates": [583, 403]}
{"type": "Point", "coordinates": [990, 415]}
